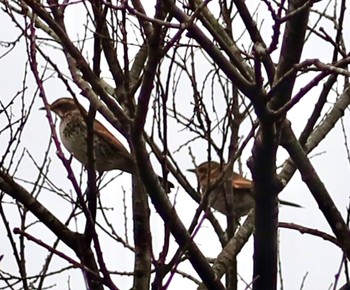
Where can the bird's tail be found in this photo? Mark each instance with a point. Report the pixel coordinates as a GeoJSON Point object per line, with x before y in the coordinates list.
{"type": "Point", "coordinates": [283, 202]}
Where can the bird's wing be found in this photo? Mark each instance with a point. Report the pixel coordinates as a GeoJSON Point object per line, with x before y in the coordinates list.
{"type": "Point", "coordinates": [102, 131]}
{"type": "Point", "coordinates": [239, 182]}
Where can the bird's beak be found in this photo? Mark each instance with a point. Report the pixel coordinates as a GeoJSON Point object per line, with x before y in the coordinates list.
{"type": "Point", "coordinates": [42, 108]}
{"type": "Point", "coordinates": [192, 170]}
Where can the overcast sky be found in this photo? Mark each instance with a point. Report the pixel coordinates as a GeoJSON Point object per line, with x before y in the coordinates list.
{"type": "Point", "coordinates": [300, 254]}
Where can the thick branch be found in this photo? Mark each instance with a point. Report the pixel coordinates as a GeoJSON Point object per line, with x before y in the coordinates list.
{"type": "Point", "coordinates": [168, 214]}
{"type": "Point", "coordinates": [292, 47]}
{"type": "Point", "coordinates": [16, 191]}
{"type": "Point", "coordinates": [317, 188]}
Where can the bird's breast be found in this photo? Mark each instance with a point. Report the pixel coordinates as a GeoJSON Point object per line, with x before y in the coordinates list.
{"type": "Point", "coordinates": [73, 135]}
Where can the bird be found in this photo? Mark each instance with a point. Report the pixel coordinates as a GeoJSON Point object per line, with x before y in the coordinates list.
{"type": "Point", "coordinates": [243, 197]}
{"type": "Point", "coordinates": [109, 152]}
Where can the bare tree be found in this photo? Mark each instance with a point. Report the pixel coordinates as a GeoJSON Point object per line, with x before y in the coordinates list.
{"type": "Point", "coordinates": [181, 83]}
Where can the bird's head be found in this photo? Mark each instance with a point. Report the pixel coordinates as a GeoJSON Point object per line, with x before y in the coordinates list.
{"type": "Point", "coordinates": [64, 106]}
{"type": "Point", "coordinates": [209, 169]}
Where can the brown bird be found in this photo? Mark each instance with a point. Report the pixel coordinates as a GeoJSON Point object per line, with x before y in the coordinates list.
{"type": "Point", "coordinates": [243, 199]}
{"type": "Point", "coordinates": [110, 154]}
